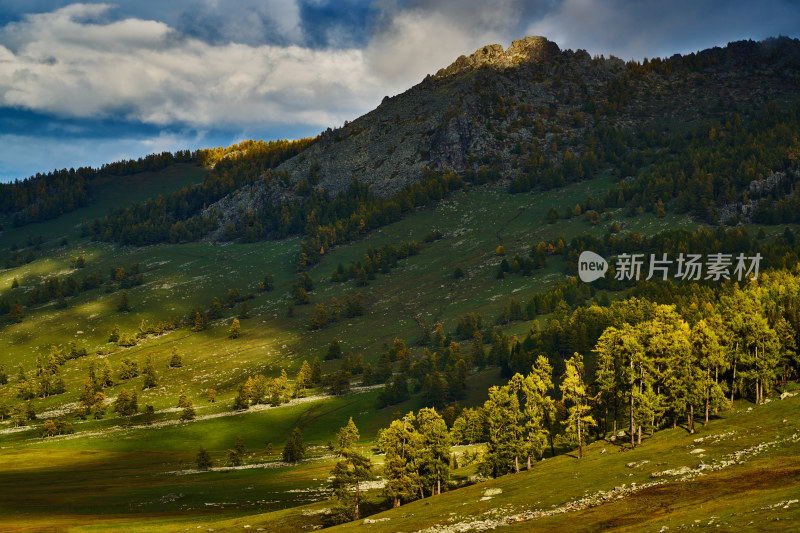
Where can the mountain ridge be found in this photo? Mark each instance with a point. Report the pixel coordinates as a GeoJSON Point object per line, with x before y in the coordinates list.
{"type": "Point", "coordinates": [472, 114]}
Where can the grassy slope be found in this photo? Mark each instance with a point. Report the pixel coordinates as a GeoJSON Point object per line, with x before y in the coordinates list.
{"type": "Point", "coordinates": [178, 278]}
{"type": "Point", "coordinates": [757, 492]}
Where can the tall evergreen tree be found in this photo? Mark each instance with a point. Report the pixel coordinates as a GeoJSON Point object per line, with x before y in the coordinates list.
{"type": "Point", "coordinates": [573, 390]}
{"type": "Point", "coordinates": [435, 460]}
{"type": "Point", "coordinates": [294, 450]}
{"type": "Point", "coordinates": [149, 373]}
{"type": "Point", "coordinates": [347, 436]}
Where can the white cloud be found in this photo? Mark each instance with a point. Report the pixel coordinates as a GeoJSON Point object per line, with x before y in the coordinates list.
{"type": "Point", "coordinates": [417, 41]}
{"type": "Point", "coordinates": [63, 63]}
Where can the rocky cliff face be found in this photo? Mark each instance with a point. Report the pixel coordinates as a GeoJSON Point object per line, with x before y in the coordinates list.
{"type": "Point", "coordinates": [476, 112]}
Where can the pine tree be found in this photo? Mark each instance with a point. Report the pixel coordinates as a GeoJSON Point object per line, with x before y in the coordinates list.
{"type": "Point", "coordinates": [149, 373]}
{"type": "Point", "coordinates": [127, 403]}
{"type": "Point", "coordinates": [235, 329]}
{"type": "Point", "coordinates": [294, 450]}
{"type": "Point", "coordinates": [188, 412]}
{"type": "Point", "coordinates": [269, 282]}
{"type": "Point", "coordinates": [347, 436]}
{"type": "Point", "coordinates": [316, 371]}
{"type": "Point", "coordinates": [203, 459]}
{"type": "Point", "coordinates": [350, 471]}
{"type": "Point", "coordinates": [128, 369]}
{"type": "Point", "coordinates": [15, 315]}
{"type": "Point", "coordinates": [176, 359]}
{"type": "Point", "coordinates": [106, 378]}
{"type": "Point", "coordinates": [435, 460]}
{"type": "Point", "coordinates": [334, 350]}
{"type": "Point", "coordinates": [504, 447]}
{"type": "Point", "coordinates": [149, 414]}
{"type": "Point", "coordinates": [114, 335]}
{"type": "Point", "coordinates": [573, 390]}
{"type": "Point", "coordinates": [236, 455]}
{"type": "Point", "coordinates": [215, 311]}
{"type": "Point", "coordinates": [199, 322]}
{"type": "Point", "coordinates": [244, 310]}
{"type": "Point", "coordinates": [402, 446]}
{"type": "Point", "coordinates": [124, 304]}
{"type": "Point", "coordinates": [538, 407]}
{"type": "Point", "coordinates": [302, 380]}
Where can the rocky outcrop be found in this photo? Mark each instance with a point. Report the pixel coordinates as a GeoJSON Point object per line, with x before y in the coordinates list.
{"type": "Point", "coordinates": [529, 49]}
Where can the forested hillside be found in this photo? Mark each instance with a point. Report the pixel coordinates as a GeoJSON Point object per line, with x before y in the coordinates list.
{"type": "Point", "coordinates": [298, 334]}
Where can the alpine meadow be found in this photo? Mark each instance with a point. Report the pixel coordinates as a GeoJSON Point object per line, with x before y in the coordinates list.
{"type": "Point", "coordinates": [396, 325]}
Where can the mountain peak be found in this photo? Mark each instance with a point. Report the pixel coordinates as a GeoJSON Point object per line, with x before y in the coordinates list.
{"type": "Point", "coordinates": [528, 49]}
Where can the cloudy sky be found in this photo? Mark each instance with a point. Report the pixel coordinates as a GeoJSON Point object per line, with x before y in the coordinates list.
{"type": "Point", "coordinates": [87, 83]}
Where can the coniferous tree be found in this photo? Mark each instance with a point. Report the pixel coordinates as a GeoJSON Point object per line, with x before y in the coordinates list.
{"type": "Point", "coordinates": [350, 471]}
{"type": "Point", "coordinates": [215, 311]}
{"type": "Point", "coordinates": [235, 329]}
{"type": "Point", "coordinates": [124, 304]}
{"type": "Point", "coordinates": [126, 403]}
{"type": "Point", "coordinates": [573, 390]}
{"type": "Point", "coordinates": [334, 350]}
{"type": "Point", "coordinates": [176, 359]}
{"type": "Point", "coordinates": [402, 446]}
{"type": "Point", "coordinates": [107, 375]}
{"type": "Point", "coordinates": [269, 282]}
{"type": "Point", "coordinates": [435, 458]}
{"type": "Point", "coordinates": [149, 373]}
{"type": "Point", "coordinates": [347, 436]}
{"type": "Point", "coordinates": [203, 459]}
{"type": "Point", "coordinates": [16, 314]}
{"type": "Point", "coordinates": [188, 412]}
{"type": "Point", "coordinates": [199, 322]}
{"type": "Point", "coordinates": [504, 447]}
{"type": "Point", "coordinates": [303, 380]}
{"type": "Point", "coordinates": [114, 335]}
{"type": "Point", "coordinates": [316, 371]}
{"type": "Point", "coordinates": [294, 450]}
{"type": "Point", "coordinates": [236, 455]}
{"type": "Point", "coordinates": [149, 414]}
{"type": "Point", "coordinates": [128, 369]}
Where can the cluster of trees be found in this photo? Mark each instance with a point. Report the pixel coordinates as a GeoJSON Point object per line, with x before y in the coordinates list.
{"type": "Point", "coordinates": [348, 216]}
{"type": "Point", "coordinates": [47, 379]}
{"type": "Point", "coordinates": [146, 328]}
{"type": "Point", "coordinates": [47, 196]}
{"type": "Point", "coordinates": [60, 288]}
{"type": "Point", "coordinates": [381, 260]}
{"type": "Point", "coordinates": [46, 382]}
{"type": "Point", "coordinates": [20, 413]}
{"type": "Point", "coordinates": [177, 217]}
{"type": "Point", "coordinates": [260, 389]}
{"type": "Point", "coordinates": [324, 315]}
{"type": "Point", "coordinates": [714, 165]}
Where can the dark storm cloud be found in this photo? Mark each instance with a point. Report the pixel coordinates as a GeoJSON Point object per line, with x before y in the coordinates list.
{"type": "Point", "coordinates": [632, 29]}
